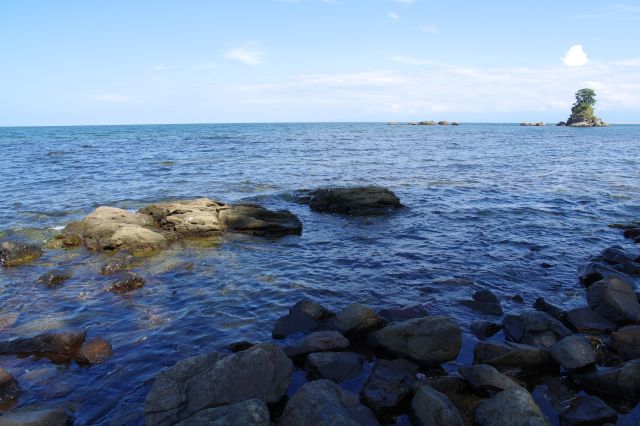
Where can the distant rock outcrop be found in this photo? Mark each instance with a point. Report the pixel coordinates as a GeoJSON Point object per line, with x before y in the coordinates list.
{"type": "Point", "coordinates": [582, 112]}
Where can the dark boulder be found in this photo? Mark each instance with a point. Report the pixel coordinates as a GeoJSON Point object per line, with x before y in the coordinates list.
{"type": "Point", "coordinates": [622, 381]}
{"type": "Point", "coordinates": [484, 301]}
{"type": "Point", "coordinates": [358, 201]}
{"type": "Point", "coordinates": [95, 351]}
{"type": "Point", "coordinates": [57, 346]}
{"type": "Point", "coordinates": [432, 408]}
{"type": "Point", "coordinates": [584, 320]}
{"type": "Point", "coordinates": [485, 380]}
{"type": "Point", "coordinates": [573, 353]}
{"type": "Point", "coordinates": [403, 314]}
{"type": "Point", "coordinates": [303, 317]}
{"type": "Point", "coordinates": [54, 278]}
{"type": "Point", "coordinates": [587, 410]}
{"type": "Point", "coordinates": [335, 366]}
{"type": "Point", "coordinates": [615, 300]}
{"type": "Point", "coordinates": [251, 412]}
{"type": "Point", "coordinates": [9, 390]}
{"type": "Point", "coordinates": [512, 407]}
{"type": "Point", "coordinates": [429, 341]}
{"type": "Point", "coordinates": [357, 320]}
{"type": "Point", "coordinates": [534, 328]}
{"type": "Point", "coordinates": [514, 359]}
{"type": "Point", "coordinates": [319, 341]}
{"type": "Point", "coordinates": [626, 342]}
{"type": "Point", "coordinates": [390, 382]}
{"type": "Point", "coordinates": [543, 306]}
{"type": "Point", "coordinates": [126, 283]}
{"type": "Point", "coordinates": [26, 416]}
{"type": "Point", "coordinates": [15, 253]}
{"type": "Point", "coordinates": [322, 402]}
{"type": "Point", "coordinates": [484, 329]}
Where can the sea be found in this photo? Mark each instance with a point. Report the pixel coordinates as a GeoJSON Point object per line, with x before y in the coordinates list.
{"type": "Point", "coordinates": [512, 209]}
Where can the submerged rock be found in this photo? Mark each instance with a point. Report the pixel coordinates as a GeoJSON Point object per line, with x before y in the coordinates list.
{"type": "Point", "coordinates": [432, 408]}
{"type": "Point", "coordinates": [262, 372]}
{"type": "Point", "coordinates": [9, 389]}
{"type": "Point", "coordinates": [484, 329]}
{"type": "Point", "coordinates": [15, 253]}
{"type": "Point", "coordinates": [335, 366]}
{"type": "Point", "coordinates": [486, 380]}
{"type": "Point", "coordinates": [303, 317]}
{"type": "Point", "coordinates": [513, 358]}
{"type": "Point", "coordinates": [587, 410]}
{"type": "Point", "coordinates": [534, 328]}
{"type": "Point", "coordinates": [484, 301]}
{"type": "Point", "coordinates": [626, 342]}
{"type": "Point", "coordinates": [403, 314]}
{"type": "Point", "coordinates": [390, 382]}
{"type": "Point", "coordinates": [95, 351]}
{"type": "Point", "coordinates": [622, 381]}
{"type": "Point", "coordinates": [36, 417]}
{"type": "Point", "coordinates": [429, 341]}
{"type": "Point", "coordinates": [119, 262]}
{"type": "Point", "coordinates": [54, 278]}
{"type": "Point", "coordinates": [357, 320]}
{"type": "Point", "coordinates": [615, 300]}
{"type": "Point", "coordinates": [573, 353]}
{"type": "Point", "coordinates": [251, 412]}
{"type": "Point", "coordinates": [512, 407]}
{"type": "Point", "coordinates": [58, 346]}
{"type": "Point", "coordinates": [322, 402]}
{"type": "Point", "coordinates": [543, 306]}
{"type": "Point", "coordinates": [320, 341]}
{"type": "Point", "coordinates": [127, 282]}
{"type": "Point", "coordinates": [357, 201]}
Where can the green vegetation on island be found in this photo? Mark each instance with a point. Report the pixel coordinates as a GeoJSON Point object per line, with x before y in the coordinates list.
{"type": "Point", "coordinates": [582, 111]}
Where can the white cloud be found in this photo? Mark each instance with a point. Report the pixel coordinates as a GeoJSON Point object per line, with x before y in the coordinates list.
{"type": "Point", "coordinates": [429, 29]}
{"type": "Point", "coordinates": [112, 97]}
{"type": "Point", "coordinates": [246, 55]}
{"type": "Point", "coordinates": [575, 56]}
{"type": "Point", "coordinates": [394, 16]}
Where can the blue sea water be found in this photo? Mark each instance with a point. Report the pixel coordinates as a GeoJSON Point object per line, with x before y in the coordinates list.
{"type": "Point", "coordinates": [488, 202]}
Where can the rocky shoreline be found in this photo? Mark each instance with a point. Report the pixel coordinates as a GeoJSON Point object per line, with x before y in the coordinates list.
{"type": "Point", "coordinates": [356, 365]}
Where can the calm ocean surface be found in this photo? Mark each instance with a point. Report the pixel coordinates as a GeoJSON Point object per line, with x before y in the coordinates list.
{"type": "Point", "coordinates": [488, 202]}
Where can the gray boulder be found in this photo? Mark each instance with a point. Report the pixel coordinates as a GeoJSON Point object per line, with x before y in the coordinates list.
{"type": "Point", "coordinates": [356, 320]}
{"type": "Point", "coordinates": [514, 359]}
{"type": "Point", "coordinates": [358, 201]}
{"type": "Point", "coordinates": [484, 329]}
{"type": "Point", "coordinates": [336, 366]}
{"type": "Point", "coordinates": [573, 353]}
{"type": "Point", "coordinates": [261, 372]}
{"type": "Point", "coordinates": [586, 410]}
{"type": "Point", "coordinates": [484, 301]}
{"type": "Point", "coordinates": [303, 317]}
{"type": "Point", "coordinates": [322, 402]}
{"type": "Point", "coordinates": [543, 306]}
{"type": "Point", "coordinates": [615, 300]}
{"type": "Point", "coordinates": [403, 314]}
{"type": "Point", "coordinates": [389, 383]}
{"type": "Point", "coordinates": [320, 341]}
{"type": "Point", "coordinates": [15, 253]}
{"type": "Point", "coordinates": [626, 342]}
{"type": "Point", "coordinates": [252, 412]}
{"type": "Point", "coordinates": [622, 381]}
{"type": "Point", "coordinates": [486, 380]}
{"type": "Point", "coordinates": [429, 341]}
{"type": "Point", "coordinates": [57, 346]}
{"type": "Point", "coordinates": [534, 328]}
{"type": "Point", "coordinates": [432, 408]}
{"type": "Point", "coordinates": [36, 417]}
{"type": "Point", "coordinates": [512, 407]}
{"type": "Point", "coordinates": [584, 320]}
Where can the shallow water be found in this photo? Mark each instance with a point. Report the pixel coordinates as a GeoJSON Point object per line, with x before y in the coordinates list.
{"type": "Point", "coordinates": [487, 202]}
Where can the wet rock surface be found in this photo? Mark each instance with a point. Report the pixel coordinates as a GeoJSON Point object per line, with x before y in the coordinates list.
{"type": "Point", "coordinates": [94, 351]}
{"type": "Point", "coordinates": [322, 402]}
{"type": "Point", "coordinates": [484, 301]}
{"type": "Point", "coordinates": [428, 341]}
{"type": "Point", "coordinates": [358, 201]}
{"type": "Point", "coordinates": [304, 316]}
{"type": "Point", "coordinates": [9, 389]}
{"type": "Point", "coordinates": [119, 262]}
{"type": "Point", "coordinates": [252, 412]}
{"type": "Point", "coordinates": [389, 383]}
{"type": "Point", "coordinates": [125, 283]}
{"type": "Point", "coordinates": [584, 320]}
{"type": "Point", "coordinates": [58, 346]}
{"type": "Point", "coordinates": [573, 353]}
{"type": "Point", "coordinates": [486, 380]}
{"type": "Point", "coordinates": [512, 407]}
{"type": "Point", "coordinates": [484, 329]}
{"type": "Point", "coordinates": [534, 328]}
{"type": "Point", "coordinates": [318, 341]}
{"type": "Point", "coordinates": [432, 408]}
{"type": "Point", "coordinates": [587, 410]}
{"type": "Point", "coordinates": [335, 366]}
{"type": "Point", "coordinates": [16, 253]}
{"type": "Point", "coordinates": [54, 278]}
{"type": "Point", "coordinates": [357, 320]}
{"type": "Point", "coordinates": [262, 372]}
{"type": "Point", "coordinates": [516, 359]}
{"type": "Point", "coordinates": [37, 417]}
{"type": "Point", "coordinates": [614, 300]}
{"type": "Point", "coordinates": [626, 342]}
{"type": "Point", "coordinates": [622, 381]}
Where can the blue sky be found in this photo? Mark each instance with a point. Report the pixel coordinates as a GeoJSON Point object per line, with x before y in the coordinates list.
{"type": "Point", "coordinates": [144, 61]}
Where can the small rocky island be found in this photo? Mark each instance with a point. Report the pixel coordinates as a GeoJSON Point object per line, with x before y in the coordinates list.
{"type": "Point", "coordinates": [582, 111]}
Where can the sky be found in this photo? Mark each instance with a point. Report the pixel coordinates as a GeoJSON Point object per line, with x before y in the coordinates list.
{"type": "Point", "coordinates": [219, 61]}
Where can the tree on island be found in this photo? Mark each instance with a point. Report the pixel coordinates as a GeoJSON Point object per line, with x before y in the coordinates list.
{"type": "Point", "coordinates": [582, 113]}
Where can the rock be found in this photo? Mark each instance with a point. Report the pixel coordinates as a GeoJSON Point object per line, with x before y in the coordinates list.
{"type": "Point", "coordinates": [573, 353]}
{"type": "Point", "coordinates": [335, 366]}
{"type": "Point", "coordinates": [320, 341]}
{"type": "Point", "coordinates": [9, 389]}
{"type": "Point", "coordinates": [512, 407]}
{"type": "Point", "coordinates": [604, 355]}
{"type": "Point", "coordinates": [322, 402]}
{"type": "Point", "coordinates": [615, 300]}
{"type": "Point", "coordinates": [517, 298]}
{"type": "Point", "coordinates": [455, 123]}
{"type": "Point", "coordinates": [626, 342]}
{"type": "Point", "coordinates": [543, 306]}
{"type": "Point", "coordinates": [256, 219]}
{"type": "Point", "coordinates": [403, 314]}
{"type": "Point", "coordinates": [58, 346]}
{"type": "Point", "coordinates": [484, 301]}
{"type": "Point", "coordinates": [429, 341]}
{"type": "Point", "coordinates": [15, 253]}
{"type": "Point", "coordinates": [516, 359]}
{"type": "Point", "coordinates": [54, 278]}
{"type": "Point", "coordinates": [252, 412]}
{"type": "Point", "coordinates": [596, 271]}
{"type": "Point", "coordinates": [443, 123]}
{"type": "Point", "coordinates": [119, 262]}
{"type": "Point", "coordinates": [357, 320]}
{"type": "Point", "coordinates": [622, 381]}
{"type": "Point", "coordinates": [37, 417]}
{"type": "Point", "coordinates": [584, 320]}
{"type": "Point", "coordinates": [241, 345]}
{"type": "Point", "coordinates": [390, 382]}
{"type": "Point", "coordinates": [303, 317]}
{"type": "Point", "coordinates": [484, 329]}
{"type": "Point", "coordinates": [125, 283]}
{"type": "Point", "coordinates": [95, 351]}
{"type": "Point", "coordinates": [534, 328]}
{"type": "Point", "coordinates": [8, 319]}
{"type": "Point", "coordinates": [486, 380]}
{"type": "Point", "coordinates": [357, 201]}
{"type": "Point", "coordinates": [586, 410]}
{"type": "Point", "coordinates": [207, 381]}
{"type": "Point", "coordinates": [432, 408]}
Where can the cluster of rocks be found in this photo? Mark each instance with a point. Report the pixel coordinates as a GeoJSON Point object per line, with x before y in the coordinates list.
{"type": "Point", "coordinates": [433, 123]}
{"type": "Point", "coordinates": [630, 230]}
{"type": "Point", "coordinates": [538, 124]}
{"type": "Point", "coordinates": [596, 122]}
